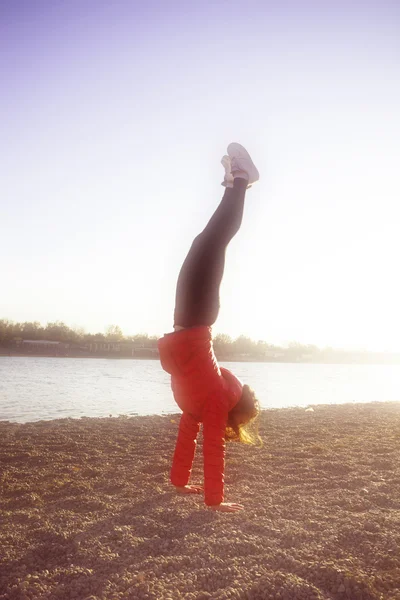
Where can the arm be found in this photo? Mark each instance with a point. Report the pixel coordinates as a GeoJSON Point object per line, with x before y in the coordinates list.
{"type": "Point", "coordinates": [184, 450]}
{"type": "Point", "coordinates": [214, 423]}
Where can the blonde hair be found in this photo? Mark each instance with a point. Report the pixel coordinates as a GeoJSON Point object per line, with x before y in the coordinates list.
{"type": "Point", "coordinates": [243, 419]}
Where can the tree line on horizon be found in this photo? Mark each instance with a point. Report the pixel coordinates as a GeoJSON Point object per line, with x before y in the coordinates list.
{"type": "Point", "coordinates": [60, 332]}
{"type": "Point", "coordinates": [225, 346]}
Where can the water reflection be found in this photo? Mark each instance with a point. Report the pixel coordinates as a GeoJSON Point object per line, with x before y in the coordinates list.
{"type": "Point", "coordinates": [36, 388]}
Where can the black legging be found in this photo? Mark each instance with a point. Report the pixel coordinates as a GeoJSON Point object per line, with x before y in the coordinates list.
{"type": "Point", "coordinates": [197, 290]}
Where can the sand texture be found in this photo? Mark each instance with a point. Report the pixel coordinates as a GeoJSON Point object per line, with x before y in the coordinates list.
{"type": "Point", "coordinates": [87, 511]}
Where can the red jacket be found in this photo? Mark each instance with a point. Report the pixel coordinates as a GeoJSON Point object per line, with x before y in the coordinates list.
{"type": "Point", "coordinates": [206, 393]}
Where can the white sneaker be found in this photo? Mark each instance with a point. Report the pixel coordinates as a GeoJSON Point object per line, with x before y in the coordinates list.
{"type": "Point", "coordinates": [241, 163]}
{"type": "Point", "coordinates": [228, 179]}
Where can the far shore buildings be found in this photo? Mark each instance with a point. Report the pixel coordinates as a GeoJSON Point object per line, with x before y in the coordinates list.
{"type": "Point", "coordinates": [40, 345]}
{"type": "Point", "coordinates": [120, 348]}
{"type": "Point", "coordinates": [95, 348]}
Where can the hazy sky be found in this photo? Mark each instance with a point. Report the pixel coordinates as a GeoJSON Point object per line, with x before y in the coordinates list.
{"type": "Point", "coordinates": [114, 117]}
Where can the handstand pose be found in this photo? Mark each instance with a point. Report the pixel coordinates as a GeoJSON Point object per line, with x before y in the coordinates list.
{"type": "Point", "coordinates": [205, 392]}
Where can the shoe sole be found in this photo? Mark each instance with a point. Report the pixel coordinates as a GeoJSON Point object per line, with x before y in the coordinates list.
{"type": "Point", "coordinates": [236, 150]}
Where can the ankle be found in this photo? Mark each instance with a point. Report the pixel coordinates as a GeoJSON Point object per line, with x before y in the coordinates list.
{"type": "Point", "coordinates": [241, 183]}
{"type": "Point", "coordinates": [240, 175]}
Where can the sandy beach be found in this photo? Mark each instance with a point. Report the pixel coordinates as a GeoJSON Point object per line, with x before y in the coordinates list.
{"type": "Point", "coordinates": [87, 511]}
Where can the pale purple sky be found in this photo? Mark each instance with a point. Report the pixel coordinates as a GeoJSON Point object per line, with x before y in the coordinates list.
{"type": "Point", "coordinates": [114, 118]}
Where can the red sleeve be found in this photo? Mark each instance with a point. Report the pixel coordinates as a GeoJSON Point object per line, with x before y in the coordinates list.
{"type": "Point", "coordinates": [184, 450]}
{"type": "Point", "coordinates": [214, 424]}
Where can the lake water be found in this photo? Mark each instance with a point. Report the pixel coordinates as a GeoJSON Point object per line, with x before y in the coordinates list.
{"type": "Point", "coordinates": [38, 388]}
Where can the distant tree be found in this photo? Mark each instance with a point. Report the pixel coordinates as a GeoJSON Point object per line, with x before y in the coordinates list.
{"type": "Point", "coordinates": [153, 341]}
{"type": "Point", "coordinates": [114, 333]}
{"type": "Point", "coordinates": [141, 340]}
{"type": "Point", "coordinates": [312, 349]}
{"type": "Point", "coordinates": [80, 333]}
{"type": "Point", "coordinates": [59, 332]}
{"type": "Point", "coordinates": [6, 331]}
{"type": "Point", "coordinates": [222, 343]}
{"type": "Point", "coordinates": [32, 331]}
{"type": "Point", "coordinates": [296, 351]}
{"type": "Point", "coordinates": [243, 345]}
{"type": "Point", "coordinates": [260, 348]}
{"type": "Point", "coordinates": [222, 339]}
{"type": "Point", "coordinates": [95, 337]}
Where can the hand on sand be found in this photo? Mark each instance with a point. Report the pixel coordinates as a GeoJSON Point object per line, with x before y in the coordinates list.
{"type": "Point", "coordinates": [189, 489]}
{"type": "Point", "coordinates": [227, 507]}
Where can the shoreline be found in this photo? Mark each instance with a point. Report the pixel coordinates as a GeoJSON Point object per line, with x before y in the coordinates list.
{"type": "Point", "coordinates": [220, 359]}
{"type": "Point", "coordinates": [87, 511]}
{"type": "Point", "coordinates": [176, 415]}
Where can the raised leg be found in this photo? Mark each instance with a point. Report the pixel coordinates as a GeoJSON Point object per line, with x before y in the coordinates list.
{"type": "Point", "coordinates": [197, 293]}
